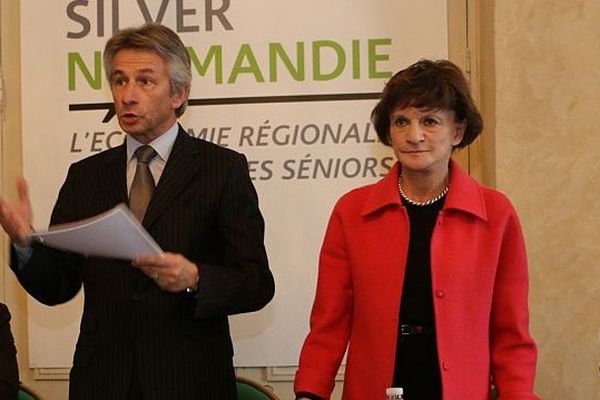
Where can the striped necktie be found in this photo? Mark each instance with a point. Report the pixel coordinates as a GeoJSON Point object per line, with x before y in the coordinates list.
{"type": "Point", "coordinates": [143, 182]}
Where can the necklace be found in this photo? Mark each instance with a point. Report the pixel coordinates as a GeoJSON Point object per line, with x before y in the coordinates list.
{"type": "Point", "coordinates": [420, 203]}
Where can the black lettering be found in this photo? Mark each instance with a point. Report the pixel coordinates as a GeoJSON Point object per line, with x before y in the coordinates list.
{"type": "Point", "coordinates": [288, 167]}
{"type": "Point", "coordinates": [349, 164]}
{"type": "Point", "coordinates": [265, 166]}
{"type": "Point", "coordinates": [181, 12]}
{"type": "Point", "coordinates": [83, 21]}
{"type": "Point", "coordinates": [211, 12]}
{"type": "Point", "coordinates": [369, 167]}
{"type": "Point", "coordinates": [100, 18]}
{"type": "Point", "coordinates": [73, 141]}
{"type": "Point", "coordinates": [109, 137]}
{"type": "Point", "coordinates": [96, 140]}
{"type": "Point", "coordinates": [146, 13]}
{"type": "Point", "coordinates": [246, 134]}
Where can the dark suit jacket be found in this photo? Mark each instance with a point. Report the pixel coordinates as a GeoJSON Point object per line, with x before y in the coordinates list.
{"type": "Point", "coordinates": [9, 373]}
{"type": "Point", "coordinates": [204, 207]}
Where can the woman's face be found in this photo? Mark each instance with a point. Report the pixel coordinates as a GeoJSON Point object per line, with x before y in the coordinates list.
{"type": "Point", "coordinates": [423, 139]}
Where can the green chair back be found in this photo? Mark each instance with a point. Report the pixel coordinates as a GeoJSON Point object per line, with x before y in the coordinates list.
{"type": "Point", "coordinates": [250, 390]}
{"type": "Point", "coordinates": [24, 396]}
{"type": "Point", "coordinates": [27, 394]}
{"type": "Point", "coordinates": [246, 390]}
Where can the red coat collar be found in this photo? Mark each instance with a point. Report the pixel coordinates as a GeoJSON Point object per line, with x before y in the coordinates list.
{"type": "Point", "coordinates": [464, 194]}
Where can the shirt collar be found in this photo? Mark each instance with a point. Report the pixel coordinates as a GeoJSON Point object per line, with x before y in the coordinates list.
{"type": "Point", "coordinates": [162, 144]}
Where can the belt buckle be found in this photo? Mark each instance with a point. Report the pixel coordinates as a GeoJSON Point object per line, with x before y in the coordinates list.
{"type": "Point", "coordinates": [406, 330]}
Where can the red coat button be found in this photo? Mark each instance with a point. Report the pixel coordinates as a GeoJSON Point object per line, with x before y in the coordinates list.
{"type": "Point", "coordinates": [445, 366]}
{"type": "Point", "coordinates": [440, 294]}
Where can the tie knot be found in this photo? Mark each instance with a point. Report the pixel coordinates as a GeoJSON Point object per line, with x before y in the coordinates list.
{"type": "Point", "coordinates": [145, 153]}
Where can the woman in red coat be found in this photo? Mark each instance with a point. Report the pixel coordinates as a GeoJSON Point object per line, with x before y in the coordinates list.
{"type": "Point", "coordinates": [422, 275]}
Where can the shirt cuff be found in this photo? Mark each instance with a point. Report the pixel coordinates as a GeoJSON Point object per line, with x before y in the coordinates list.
{"type": "Point", "coordinates": [23, 255]}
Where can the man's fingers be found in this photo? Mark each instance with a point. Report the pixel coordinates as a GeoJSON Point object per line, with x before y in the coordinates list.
{"type": "Point", "coordinates": [22, 190]}
{"type": "Point", "coordinates": [164, 260]}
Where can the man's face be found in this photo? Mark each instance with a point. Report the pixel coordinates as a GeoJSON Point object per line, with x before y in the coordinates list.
{"type": "Point", "coordinates": [141, 89]}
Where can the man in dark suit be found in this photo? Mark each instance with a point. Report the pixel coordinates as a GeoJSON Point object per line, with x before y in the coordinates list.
{"type": "Point", "coordinates": [9, 372]}
{"type": "Point", "coordinates": [155, 328]}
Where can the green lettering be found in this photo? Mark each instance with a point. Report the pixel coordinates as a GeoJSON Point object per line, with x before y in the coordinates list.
{"type": "Point", "coordinates": [275, 50]}
{"type": "Point", "coordinates": [355, 59]}
{"type": "Point", "coordinates": [75, 60]}
{"type": "Point", "coordinates": [245, 54]}
{"type": "Point", "coordinates": [318, 75]}
{"type": "Point", "coordinates": [374, 57]}
{"type": "Point", "coordinates": [214, 53]}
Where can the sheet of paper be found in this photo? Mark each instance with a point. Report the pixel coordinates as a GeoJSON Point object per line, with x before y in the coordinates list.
{"type": "Point", "coordinates": [114, 234]}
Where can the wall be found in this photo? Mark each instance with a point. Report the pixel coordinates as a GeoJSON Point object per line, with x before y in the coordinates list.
{"type": "Point", "coordinates": [547, 150]}
{"type": "Point", "coordinates": [10, 157]}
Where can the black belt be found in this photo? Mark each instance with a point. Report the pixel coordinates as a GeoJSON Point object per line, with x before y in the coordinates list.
{"type": "Point", "coordinates": [406, 330]}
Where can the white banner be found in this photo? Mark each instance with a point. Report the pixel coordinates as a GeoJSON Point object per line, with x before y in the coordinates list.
{"type": "Point", "coordinates": [291, 84]}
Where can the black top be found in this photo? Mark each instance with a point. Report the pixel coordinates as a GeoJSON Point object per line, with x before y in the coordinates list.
{"type": "Point", "coordinates": [416, 367]}
{"type": "Point", "coordinates": [417, 299]}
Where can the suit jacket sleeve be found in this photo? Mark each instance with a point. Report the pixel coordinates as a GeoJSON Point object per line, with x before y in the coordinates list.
{"type": "Point", "coordinates": [242, 282]}
{"type": "Point", "coordinates": [9, 373]}
{"type": "Point", "coordinates": [52, 276]}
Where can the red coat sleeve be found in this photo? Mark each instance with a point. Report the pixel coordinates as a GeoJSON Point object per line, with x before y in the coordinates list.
{"type": "Point", "coordinates": [513, 351]}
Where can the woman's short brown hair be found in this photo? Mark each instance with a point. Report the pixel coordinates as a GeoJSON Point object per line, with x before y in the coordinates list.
{"type": "Point", "coordinates": [431, 85]}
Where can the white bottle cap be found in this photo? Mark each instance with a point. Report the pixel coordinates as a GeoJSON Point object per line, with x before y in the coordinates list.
{"type": "Point", "coordinates": [394, 391]}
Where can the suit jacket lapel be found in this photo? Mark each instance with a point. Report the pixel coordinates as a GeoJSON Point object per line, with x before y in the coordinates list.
{"type": "Point", "coordinates": [181, 167]}
{"type": "Point", "coordinates": [115, 182]}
